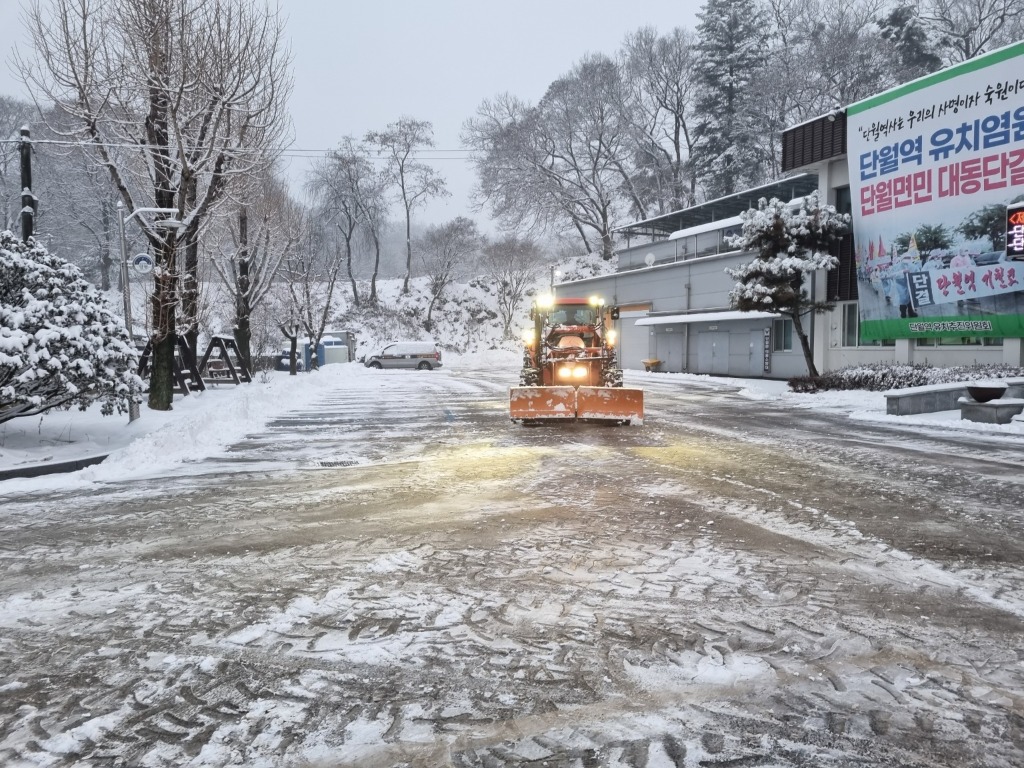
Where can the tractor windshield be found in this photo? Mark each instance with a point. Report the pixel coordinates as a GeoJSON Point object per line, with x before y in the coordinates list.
{"type": "Point", "coordinates": [573, 315]}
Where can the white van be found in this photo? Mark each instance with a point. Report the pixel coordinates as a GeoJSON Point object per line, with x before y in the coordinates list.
{"type": "Point", "coordinates": [423, 355]}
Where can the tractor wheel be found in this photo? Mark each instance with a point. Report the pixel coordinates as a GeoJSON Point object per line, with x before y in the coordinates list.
{"type": "Point", "coordinates": [529, 377]}
{"type": "Point", "coordinates": [613, 377]}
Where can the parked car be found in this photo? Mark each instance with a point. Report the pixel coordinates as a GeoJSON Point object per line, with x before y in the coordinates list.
{"type": "Point", "coordinates": [422, 355]}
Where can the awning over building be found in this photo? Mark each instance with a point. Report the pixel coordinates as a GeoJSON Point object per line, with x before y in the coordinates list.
{"type": "Point", "coordinates": [706, 317]}
{"type": "Point", "coordinates": [723, 208]}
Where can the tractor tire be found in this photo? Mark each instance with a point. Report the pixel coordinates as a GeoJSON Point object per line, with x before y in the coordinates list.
{"type": "Point", "coordinates": [529, 377]}
{"type": "Point", "coordinates": [613, 377]}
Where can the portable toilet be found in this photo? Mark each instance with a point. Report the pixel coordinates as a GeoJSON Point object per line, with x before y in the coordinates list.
{"type": "Point", "coordinates": [331, 349]}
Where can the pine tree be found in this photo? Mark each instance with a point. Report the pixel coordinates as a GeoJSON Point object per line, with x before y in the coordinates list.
{"type": "Point", "coordinates": [60, 345]}
{"type": "Point", "coordinates": [915, 53]}
{"type": "Point", "coordinates": [731, 53]}
{"type": "Point", "coordinates": [792, 241]}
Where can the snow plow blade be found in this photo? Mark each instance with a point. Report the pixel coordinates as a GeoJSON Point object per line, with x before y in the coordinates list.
{"type": "Point", "coordinates": [610, 404]}
{"type": "Point", "coordinates": [529, 403]}
{"type": "Point", "coordinates": [589, 403]}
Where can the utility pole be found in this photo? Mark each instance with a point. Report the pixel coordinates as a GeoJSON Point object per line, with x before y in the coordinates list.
{"type": "Point", "coordinates": [28, 200]}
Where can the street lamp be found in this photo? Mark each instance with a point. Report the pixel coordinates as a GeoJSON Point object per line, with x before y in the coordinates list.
{"type": "Point", "coordinates": [126, 291]}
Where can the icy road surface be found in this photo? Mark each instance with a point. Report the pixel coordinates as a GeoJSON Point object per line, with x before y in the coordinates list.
{"type": "Point", "coordinates": [401, 577]}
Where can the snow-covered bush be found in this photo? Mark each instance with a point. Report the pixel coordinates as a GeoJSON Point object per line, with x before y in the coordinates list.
{"type": "Point", "coordinates": [879, 377]}
{"type": "Point", "coordinates": [60, 345]}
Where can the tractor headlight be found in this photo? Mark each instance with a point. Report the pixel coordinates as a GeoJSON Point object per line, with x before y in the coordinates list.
{"type": "Point", "coordinates": [580, 372]}
{"type": "Point", "coordinates": [565, 372]}
{"type": "Point", "coordinates": [528, 337]}
{"type": "Point", "coordinates": [610, 337]}
{"type": "Point", "coordinates": [545, 301]}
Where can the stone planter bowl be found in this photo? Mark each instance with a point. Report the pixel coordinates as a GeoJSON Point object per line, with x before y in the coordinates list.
{"type": "Point", "coordinates": [983, 393]}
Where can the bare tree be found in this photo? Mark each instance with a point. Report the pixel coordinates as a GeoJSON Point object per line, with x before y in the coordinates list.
{"type": "Point", "coordinates": [310, 273]}
{"type": "Point", "coordinates": [842, 48]}
{"type": "Point", "coordinates": [77, 204]}
{"type": "Point", "coordinates": [968, 28]}
{"type": "Point", "coordinates": [337, 185]}
{"type": "Point", "coordinates": [513, 264]}
{"type": "Point", "coordinates": [658, 72]}
{"type": "Point", "coordinates": [507, 160]}
{"type": "Point", "coordinates": [417, 182]}
{"type": "Point", "coordinates": [175, 98]}
{"type": "Point", "coordinates": [373, 211]}
{"type": "Point", "coordinates": [259, 244]}
{"type": "Point", "coordinates": [444, 249]}
{"type": "Point", "coordinates": [560, 164]}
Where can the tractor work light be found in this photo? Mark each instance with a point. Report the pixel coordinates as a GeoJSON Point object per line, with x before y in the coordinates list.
{"type": "Point", "coordinates": [610, 337]}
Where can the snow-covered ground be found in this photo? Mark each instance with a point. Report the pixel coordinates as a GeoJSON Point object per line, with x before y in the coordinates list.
{"type": "Point", "coordinates": [206, 423]}
{"type": "Point", "coordinates": [388, 573]}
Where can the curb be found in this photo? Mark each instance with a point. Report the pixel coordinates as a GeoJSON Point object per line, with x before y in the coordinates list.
{"type": "Point", "coordinates": [37, 470]}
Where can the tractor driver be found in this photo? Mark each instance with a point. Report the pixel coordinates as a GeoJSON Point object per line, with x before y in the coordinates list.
{"type": "Point", "coordinates": [583, 317]}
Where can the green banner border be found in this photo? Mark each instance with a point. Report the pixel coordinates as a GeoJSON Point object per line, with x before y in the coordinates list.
{"type": "Point", "coordinates": [972, 65]}
{"type": "Point", "coordinates": [1003, 327]}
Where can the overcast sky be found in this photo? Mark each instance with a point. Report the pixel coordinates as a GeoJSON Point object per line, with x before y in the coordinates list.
{"type": "Point", "coordinates": [361, 65]}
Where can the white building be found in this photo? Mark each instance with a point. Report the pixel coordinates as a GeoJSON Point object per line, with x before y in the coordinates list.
{"type": "Point", "coordinates": [920, 163]}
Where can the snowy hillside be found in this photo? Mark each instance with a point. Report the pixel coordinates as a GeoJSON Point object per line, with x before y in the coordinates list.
{"type": "Point", "coordinates": [466, 320]}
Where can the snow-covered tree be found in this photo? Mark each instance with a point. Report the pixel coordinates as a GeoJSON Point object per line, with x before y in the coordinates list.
{"type": "Point", "coordinates": [792, 240]}
{"type": "Point", "coordinates": [177, 100]}
{"type": "Point", "coordinates": [659, 77]}
{"type": "Point", "coordinates": [731, 43]}
{"type": "Point", "coordinates": [60, 345]}
{"type": "Point", "coordinates": [906, 34]}
{"type": "Point", "coordinates": [969, 28]}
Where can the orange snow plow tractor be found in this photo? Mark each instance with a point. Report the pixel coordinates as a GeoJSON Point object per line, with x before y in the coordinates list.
{"type": "Point", "coordinates": [570, 370]}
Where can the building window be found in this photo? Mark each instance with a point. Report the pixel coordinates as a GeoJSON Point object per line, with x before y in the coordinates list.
{"type": "Point", "coordinates": [851, 329]}
{"type": "Point", "coordinates": [734, 231]}
{"type": "Point", "coordinates": [851, 325]}
{"type": "Point", "coordinates": [960, 341]}
{"type": "Point", "coordinates": [684, 248]}
{"type": "Point", "coordinates": [707, 243]}
{"type": "Point", "coordinates": [782, 335]}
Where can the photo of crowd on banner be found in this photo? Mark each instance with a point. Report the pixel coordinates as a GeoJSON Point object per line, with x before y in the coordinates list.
{"type": "Point", "coordinates": [931, 273]}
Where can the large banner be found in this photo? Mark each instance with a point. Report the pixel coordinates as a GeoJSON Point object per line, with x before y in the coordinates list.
{"type": "Point", "coordinates": [934, 165]}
